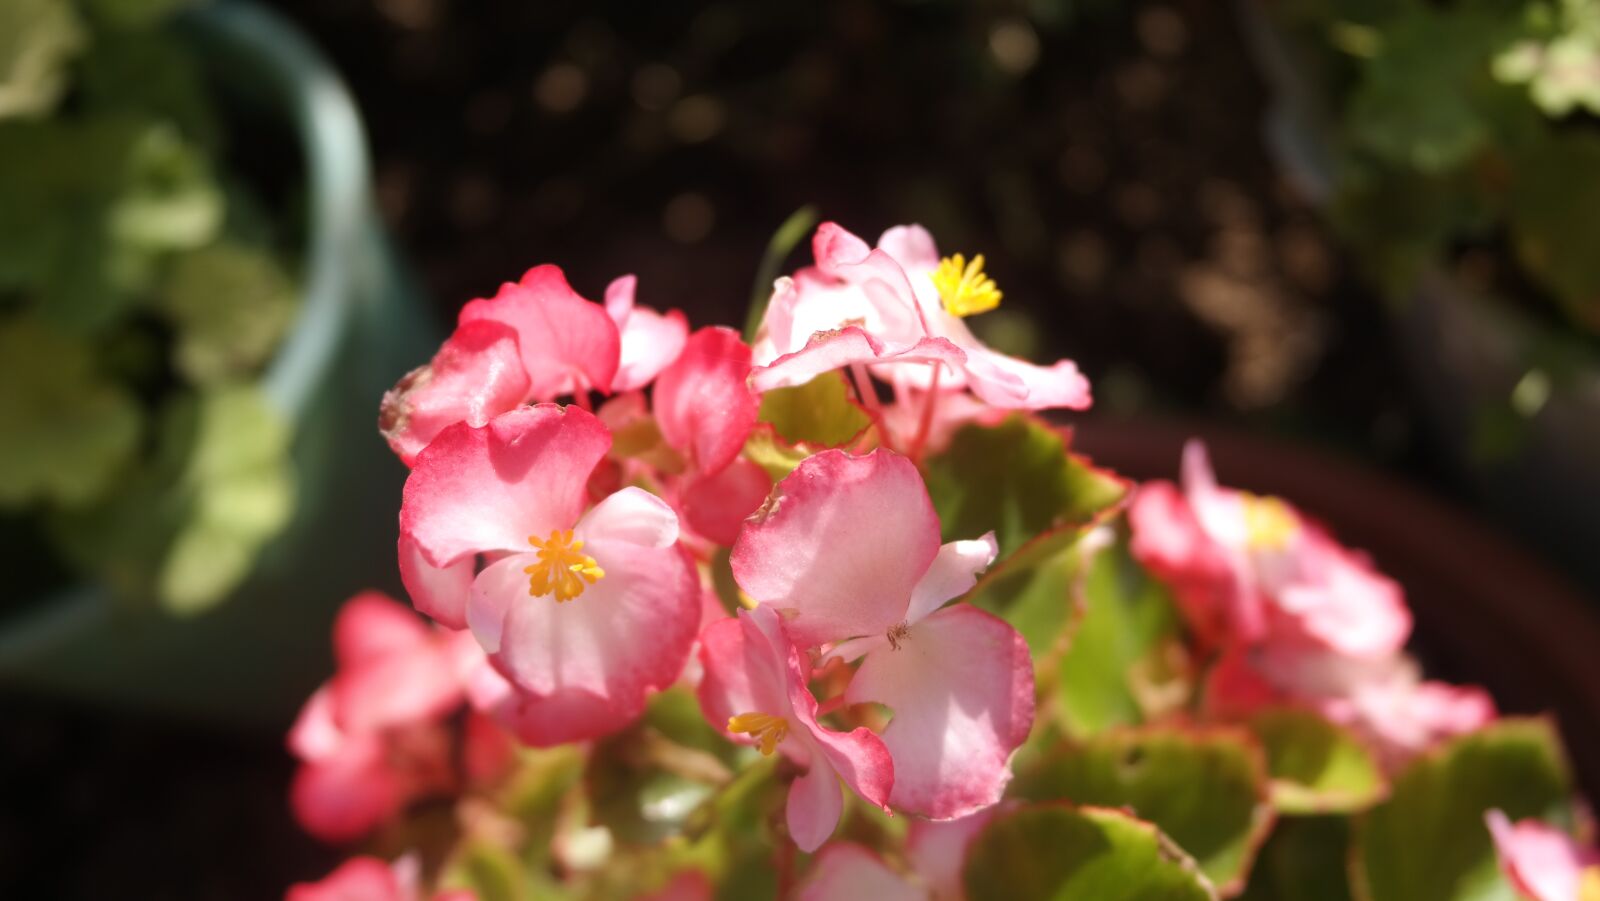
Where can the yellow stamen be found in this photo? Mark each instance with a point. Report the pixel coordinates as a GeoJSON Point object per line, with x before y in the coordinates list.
{"type": "Point", "coordinates": [563, 568]}
{"type": "Point", "coordinates": [1269, 523]}
{"type": "Point", "coordinates": [766, 729]}
{"type": "Point", "coordinates": [963, 286]}
{"type": "Point", "coordinates": [1589, 884]}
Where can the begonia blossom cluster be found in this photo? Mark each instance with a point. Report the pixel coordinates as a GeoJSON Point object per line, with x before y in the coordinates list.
{"type": "Point", "coordinates": [691, 598]}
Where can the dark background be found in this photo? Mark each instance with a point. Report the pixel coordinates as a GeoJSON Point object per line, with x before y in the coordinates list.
{"type": "Point", "coordinates": [1106, 157]}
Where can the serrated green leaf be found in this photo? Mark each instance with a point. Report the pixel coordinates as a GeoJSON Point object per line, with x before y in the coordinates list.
{"type": "Point", "coordinates": [1126, 622]}
{"type": "Point", "coordinates": [1428, 842]}
{"type": "Point", "coordinates": [1316, 766]}
{"type": "Point", "coordinates": [1017, 479]}
{"type": "Point", "coordinates": [1057, 853]}
{"type": "Point", "coordinates": [1206, 789]}
{"type": "Point", "coordinates": [38, 38]}
{"type": "Point", "coordinates": [230, 305]}
{"type": "Point", "coordinates": [821, 413]}
{"type": "Point", "coordinates": [68, 429]}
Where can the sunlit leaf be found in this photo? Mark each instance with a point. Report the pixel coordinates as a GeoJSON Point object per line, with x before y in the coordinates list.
{"type": "Point", "coordinates": [1058, 853]}
{"type": "Point", "coordinates": [1428, 842]}
{"type": "Point", "coordinates": [1205, 788]}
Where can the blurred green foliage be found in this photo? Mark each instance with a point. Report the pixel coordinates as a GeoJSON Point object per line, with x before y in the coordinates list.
{"type": "Point", "coordinates": [139, 302]}
{"type": "Point", "coordinates": [1465, 124]}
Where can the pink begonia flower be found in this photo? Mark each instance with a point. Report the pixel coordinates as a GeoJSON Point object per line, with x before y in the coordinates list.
{"type": "Point", "coordinates": [754, 689]}
{"type": "Point", "coordinates": [702, 402]}
{"type": "Point", "coordinates": [536, 340]}
{"type": "Point", "coordinates": [650, 340]}
{"type": "Point", "coordinates": [476, 375]}
{"type": "Point", "coordinates": [1385, 702]}
{"type": "Point", "coordinates": [569, 345]}
{"type": "Point", "coordinates": [1544, 863]}
{"type": "Point", "coordinates": [371, 879]}
{"type": "Point", "coordinates": [847, 549]}
{"type": "Point", "coordinates": [373, 738]}
{"type": "Point", "coordinates": [1246, 568]}
{"type": "Point", "coordinates": [583, 613]}
{"type": "Point", "coordinates": [845, 870]}
{"type": "Point", "coordinates": [893, 306]}
{"type": "Point", "coordinates": [704, 407]}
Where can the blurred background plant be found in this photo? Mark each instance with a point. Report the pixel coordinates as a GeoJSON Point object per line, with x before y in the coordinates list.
{"type": "Point", "coordinates": [144, 286]}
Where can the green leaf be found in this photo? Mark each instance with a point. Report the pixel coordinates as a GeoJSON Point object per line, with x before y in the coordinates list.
{"type": "Point", "coordinates": [170, 200]}
{"type": "Point", "coordinates": [68, 430]}
{"type": "Point", "coordinates": [38, 38]}
{"type": "Point", "coordinates": [1113, 671]}
{"type": "Point", "coordinates": [1206, 789]}
{"type": "Point", "coordinates": [821, 413]}
{"type": "Point", "coordinates": [1017, 479]}
{"type": "Point", "coordinates": [231, 305]}
{"type": "Point", "coordinates": [776, 456]}
{"type": "Point", "coordinates": [187, 528]}
{"type": "Point", "coordinates": [1057, 853]}
{"type": "Point", "coordinates": [1428, 842]}
{"type": "Point", "coordinates": [1305, 859]}
{"type": "Point", "coordinates": [1426, 98]}
{"type": "Point", "coordinates": [1033, 591]}
{"type": "Point", "coordinates": [1316, 766]}
{"type": "Point", "coordinates": [488, 870]}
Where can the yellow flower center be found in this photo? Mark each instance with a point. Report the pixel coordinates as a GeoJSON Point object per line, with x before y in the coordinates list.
{"type": "Point", "coordinates": [563, 568]}
{"type": "Point", "coordinates": [766, 729]}
{"type": "Point", "coordinates": [1589, 884]}
{"type": "Point", "coordinates": [963, 286]}
{"type": "Point", "coordinates": [1269, 523]}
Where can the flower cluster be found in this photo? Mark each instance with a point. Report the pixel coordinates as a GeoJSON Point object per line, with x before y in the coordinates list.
{"type": "Point", "coordinates": [1292, 616]}
{"type": "Point", "coordinates": [834, 613]}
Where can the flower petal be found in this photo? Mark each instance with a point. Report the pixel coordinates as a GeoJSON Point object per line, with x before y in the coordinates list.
{"type": "Point", "coordinates": [912, 247]}
{"type": "Point", "coordinates": [1013, 384]}
{"type": "Point", "coordinates": [650, 340]}
{"type": "Point", "coordinates": [583, 668]}
{"type": "Point", "coordinates": [568, 344]}
{"type": "Point", "coordinates": [488, 489]}
{"type": "Point", "coordinates": [841, 543]}
{"type": "Point", "coordinates": [815, 802]}
{"type": "Point", "coordinates": [1543, 863]}
{"type": "Point", "coordinates": [630, 516]}
{"type": "Point", "coordinates": [837, 349]}
{"type": "Point", "coordinates": [702, 401]}
{"type": "Point", "coordinates": [438, 592]}
{"type": "Point", "coordinates": [847, 870]}
{"type": "Point", "coordinates": [953, 573]}
{"type": "Point", "coordinates": [371, 625]}
{"type": "Point", "coordinates": [746, 670]}
{"type": "Point", "coordinates": [357, 879]}
{"type": "Point", "coordinates": [961, 688]}
{"type": "Point", "coordinates": [717, 505]}
{"type": "Point", "coordinates": [476, 375]}
{"type": "Point", "coordinates": [343, 797]}
{"type": "Point", "coordinates": [1169, 541]}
